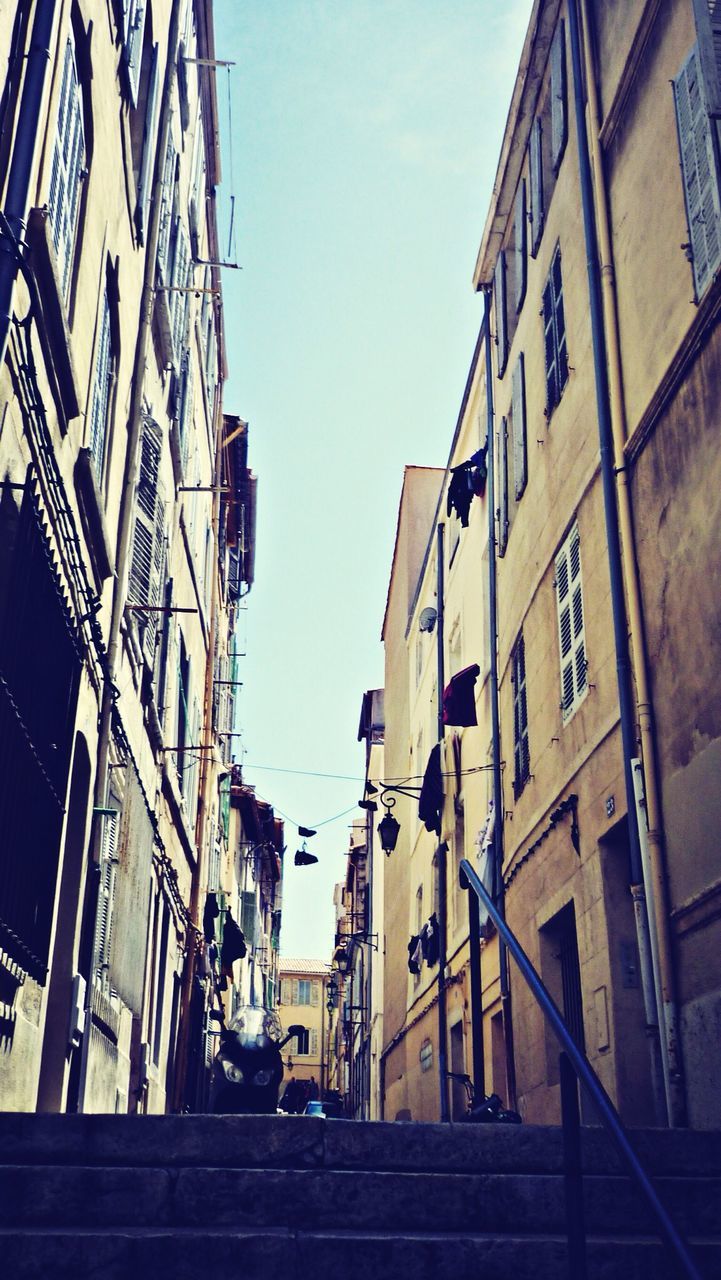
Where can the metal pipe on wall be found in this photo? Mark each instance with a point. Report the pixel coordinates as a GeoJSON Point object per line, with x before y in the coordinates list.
{"type": "Point", "coordinates": [657, 889]}
{"type": "Point", "coordinates": [442, 847]}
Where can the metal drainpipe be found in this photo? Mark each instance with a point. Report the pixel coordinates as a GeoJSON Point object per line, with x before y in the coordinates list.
{"type": "Point", "coordinates": [657, 890]}
{"type": "Point", "coordinates": [441, 853]}
{"type": "Point", "coordinates": [495, 720]}
{"type": "Point", "coordinates": [23, 159]}
{"type": "Point", "coordinates": [127, 500]}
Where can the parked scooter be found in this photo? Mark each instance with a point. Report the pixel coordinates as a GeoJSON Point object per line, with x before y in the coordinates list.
{"type": "Point", "coordinates": [248, 1068]}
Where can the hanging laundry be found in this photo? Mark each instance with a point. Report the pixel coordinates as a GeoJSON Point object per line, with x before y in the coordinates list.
{"type": "Point", "coordinates": [306, 832]}
{"type": "Point", "coordinates": [415, 954]}
{"type": "Point", "coordinates": [233, 947]}
{"type": "Point", "coordinates": [430, 801]}
{"type": "Point", "coordinates": [484, 844]}
{"type": "Point", "coordinates": [430, 940]}
{"type": "Point", "coordinates": [210, 915]}
{"type": "Point", "coordinates": [468, 480]}
{"type": "Point", "coordinates": [459, 699]}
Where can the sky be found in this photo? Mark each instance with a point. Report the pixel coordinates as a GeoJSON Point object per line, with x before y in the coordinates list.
{"type": "Point", "coordinates": [360, 142]}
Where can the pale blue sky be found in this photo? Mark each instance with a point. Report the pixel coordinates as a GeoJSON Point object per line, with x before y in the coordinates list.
{"type": "Point", "coordinates": [365, 140]}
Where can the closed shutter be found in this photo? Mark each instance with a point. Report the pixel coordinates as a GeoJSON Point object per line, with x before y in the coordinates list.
{"type": "Point", "coordinates": [106, 898]}
{"type": "Point", "coordinates": [67, 168]}
{"type": "Point", "coordinates": [518, 391]}
{"type": "Point", "coordinates": [503, 488]}
{"type": "Point", "coordinates": [549, 338]}
{"type": "Point", "coordinates": [700, 179]}
{"type": "Point", "coordinates": [285, 991]}
{"type": "Point", "coordinates": [146, 164]}
{"type": "Point", "coordinates": [499, 288]}
{"type": "Point", "coordinates": [101, 389]}
{"type": "Point", "coordinates": [148, 552]}
{"type": "Point", "coordinates": [133, 49]}
{"type": "Point", "coordinates": [708, 26]}
{"type": "Point", "coordinates": [170, 167]}
{"type": "Point", "coordinates": [314, 993]}
{"type": "Point", "coordinates": [186, 407]}
{"type": "Point", "coordinates": [519, 236]}
{"type": "Point", "coordinates": [571, 631]}
{"type": "Point", "coordinates": [179, 299]}
{"type": "Point", "coordinates": [191, 789]}
{"type": "Point", "coordinates": [248, 915]}
{"type": "Point", "coordinates": [559, 97]}
{"type": "Point", "coordinates": [536, 168]}
{"type": "Point", "coordinates": [521, 751]}
{"type": "Point", "coordinates": [313, 1043]}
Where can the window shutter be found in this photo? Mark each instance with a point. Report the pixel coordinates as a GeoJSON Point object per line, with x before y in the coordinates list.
{"type": "Point", "coordinates": [146, 164]}
{"type": "Point", "coordinates": [295, 987]}
{"type": "Point", "coordinates": [147, 557]}
{"type": "Point", "coordinates": [106, 891]}
{"type": "Point", "coordinates": [520, 718]}
{"type": "Point", "coordinates": [700, 180]}
{"type": "Point", "coordinates": [67, 168]}
{"type": "Point", "coordinates": [134, 29]}
{"type": "Point", "coordinates": [499, 276]}
{"type": "Point", "coordinates": [186, 407]}
{"type": "Point", "coordinates": [503, 488]}
{"type": "Point", "coordinates": [519, 237]}
{"type": "Point", "coordinates": [569, 597]}
{"type": "Point", "coordinates": [708, 27]}
{"type": "Point", "coordinates": [550, 349]}
{"type": "Point", "coordinates": [101, 389]}
{"type": "Point", "coordinates": [536, 174]}
{"type": "Point", "coordinates": [314, 998]}
{"type": "Point", "coordinates": [248, 915]}
{"type": "Point", "coordinates": [180, 278]}
{"type": "Point", "coordinates": [518, 392]}
{"type": "Point", "coordinates": [166, 212]}
{"type": "Point", "coordinates": [313, 1043]}
{"type": "Point", "coordinates": [285, 991]}
{"type": "Point", "coordinates": [559, 97]}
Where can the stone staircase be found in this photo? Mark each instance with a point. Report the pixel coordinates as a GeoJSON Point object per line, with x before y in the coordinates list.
{"type": "Point", "coordinates": [300, 1198]}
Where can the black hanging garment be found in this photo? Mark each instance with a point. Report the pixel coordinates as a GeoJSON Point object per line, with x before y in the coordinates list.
{"type": "Point", "coordinates": [210, 915]}
{"type": "Point", "coordinates": [430, 801]}
{"type": "Point", "coordinates": [430, 940]}
{"type": "Point", "coordinates": [233, 947]}
{"type": "Point", "coordinates": [415, 954]}
{"type": "Point", "coordinates": [459, 699]}
{"type": "Point", "coordinates": [306, 832]}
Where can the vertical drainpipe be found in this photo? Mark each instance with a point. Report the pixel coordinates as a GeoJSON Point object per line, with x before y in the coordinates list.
{"type": "Point", "coordinates": [495, 720]}
{"type": "Point", "coordinates": [673, 1086]}
{"type": "Point", "coordinates": [654, 892]}
{"type": "Point", "coordinates": [441, 854]}
{"type": "Point", "coordinates": [17, 196]}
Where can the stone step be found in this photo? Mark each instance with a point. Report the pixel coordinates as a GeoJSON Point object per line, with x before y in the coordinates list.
{"type": "Point", "coordinates": [306, 1142]}
{"type": "Point", "coordinates": [314, 1255]}
{"type": "Point", "coordinates": [53, 1196]}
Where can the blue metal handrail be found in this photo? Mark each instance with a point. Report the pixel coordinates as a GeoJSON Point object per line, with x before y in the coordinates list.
{"type": "Point", "coordinates": [585, 1074]}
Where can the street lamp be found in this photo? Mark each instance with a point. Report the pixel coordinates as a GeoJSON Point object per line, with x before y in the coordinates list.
{"type": "Point", "coordinates": [388, 828]}
{"type": "Point", "coordinates": [332, 994]}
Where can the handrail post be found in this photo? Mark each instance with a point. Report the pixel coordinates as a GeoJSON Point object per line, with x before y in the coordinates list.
{"type": "Point", "coordinates": [572, 1171]}
{"type": "Point", "coordinates": [474, 935]}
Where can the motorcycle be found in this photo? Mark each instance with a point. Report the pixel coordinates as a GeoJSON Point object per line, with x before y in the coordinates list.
{"type": "Point", "coordinates": [248, 1069]}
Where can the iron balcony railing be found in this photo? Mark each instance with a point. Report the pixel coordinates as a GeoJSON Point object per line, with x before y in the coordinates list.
{"type": "Point", "coordinates": [573, 1060]}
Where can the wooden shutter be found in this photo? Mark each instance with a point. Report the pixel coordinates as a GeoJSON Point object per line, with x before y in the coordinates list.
{"type": "Point", "coordinates": [519, 236]}
{"type": "Point", "coordinates": [285, 991]}
{"type": "Point", "coordinates": [106, 897]}
{"type": "Point", "coordinates": [700, 177]}
{"type": "Point", "coordinates": [148, 552]}
{"type": "Point", "coordinates": [313, 1043]}
{"type": "Point", "coordinates": [518, 401]}
{"type": "Point", "coordinates": [101, 389]}
{"type": "Point", "coordinates": [179, 300]}
{"type": "Point", "coordinates": [67, 168]}
{"type": "Point", "coordinates": [248, 915]}
{"type": "Point", "coordinates": [170, 167]}
{"type": "Point", "coordinates": [133, 50]}
{"type": "Point", "coordinates": [536, 175]}
{"type": "Point", "coordinates": [549, 338]}
{"type": "Point", "coordinates": [186, 407]}
{"type": "Point", "coordinates": [559, 97]}
{"type": "Point", "coordinates": [707, 14]}
{"type": "Point", "coordinates": [503, 488]}
{"type": "Point", "coordinates": [314, 996]}
{"type": "Point", "coordinates": [571, 631]}
{"type": "Point", "coordinates": [499, 288]}
{"type": "Point", "coordinates": [149, 131]}
{"type": "Point", "coordinates": [295, 987]}
{"type": "Point", "coordinates": [520, 718]}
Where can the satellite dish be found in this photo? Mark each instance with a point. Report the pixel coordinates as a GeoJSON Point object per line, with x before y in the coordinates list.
{"type": "Point", "coordinates": [428, 619]}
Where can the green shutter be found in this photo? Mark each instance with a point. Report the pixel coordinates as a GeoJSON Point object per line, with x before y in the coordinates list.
{"type": "Point", "coordinates": [503, 488]}
{"type": "Point", "coordinates": [536, 173]}
{"type": "Point", "coordinates": [499, 289]}
{"type": "Point", "coordinates": [707, 14]}
{"type": "Point", "coordinates": [559, 97]}
{"type": "Point", "coordinates": [518, 392]}
{"type": "Point", "coordinates": [519, 236]}
{"type": "Point", "coordinates": [700, 178]}
{"type": "Point", "coordinates": [248, 915]}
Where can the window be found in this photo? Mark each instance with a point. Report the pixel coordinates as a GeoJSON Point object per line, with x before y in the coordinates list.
{"type": "Point", "coordinates": [519, 242]}
{"type": "Point", "coordinates": [571, 632]}
{"type": "Point", "coordinates": [419, 658]}
{"type": "Point", "coordinates": [67, 168]}
{"type": "Point", "coordinates": [425, 1055]}
{"type": "Point", "coordinates": [102, 381]}
{"type": "Point", "coordinates": [521, 751]}
{"type": "Point", "coordinates": [518, 416]}
{"type": "Point", "coordinates": [304, 988]}
{"type": "Point", "coordinates": [699, 170]}
{"type": "Point", "coordinates": [499, 290]}
{"type": "Point", "coordinates": [503, 488]}
{"type": "Point", "coordinates": [300, 1046]}
{"type": "Point", "coordinates": [106, 892]}
{"type": "Point", "coordinates": [559, 97]}
{"type": "Point", "coordinates": [133, 29]}
{"type": "Point", "coordinates": [147, 560]}
{"type": "Point", "coordinates": [537, 211]}
{"type": "Point", "coordinates": [554, 329]}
